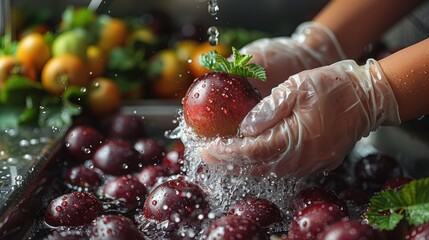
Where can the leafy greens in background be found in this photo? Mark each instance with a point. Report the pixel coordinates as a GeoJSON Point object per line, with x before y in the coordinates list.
{"type": "Point", "coordinates": [25, 103]}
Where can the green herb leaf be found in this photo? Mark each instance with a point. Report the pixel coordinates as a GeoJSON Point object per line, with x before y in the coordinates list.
{"type": "Point", "coordinates": [239, 66]}
{"type": "Point", "coordinates": [17, 89]}
{"type": "Point", "coordinates": [59, 112]}
{"type": "Point", "coordinates": [25, 103]}
{"type": "Point", "coordinates": [9, 116]}
{"type": "Point", "coordinates": [77, 18]}
{"type": "Point", "coordinates": [387, 208]}
{"type": "Point", "coordinates": [121, 59]}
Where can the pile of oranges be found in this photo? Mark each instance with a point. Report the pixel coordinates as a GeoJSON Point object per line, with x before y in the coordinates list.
{"type": "Point", "coordinates": [79, 55]}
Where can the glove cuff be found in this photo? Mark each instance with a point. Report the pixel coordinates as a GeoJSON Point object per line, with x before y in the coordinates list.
{"type": "Point", "coordinates": [388, 112]}
{"type": "Point", "coordinates": [320, 42]}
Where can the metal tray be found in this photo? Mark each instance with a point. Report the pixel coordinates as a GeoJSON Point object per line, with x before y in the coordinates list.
{"type": "Point", "coordinates": [26, 155]}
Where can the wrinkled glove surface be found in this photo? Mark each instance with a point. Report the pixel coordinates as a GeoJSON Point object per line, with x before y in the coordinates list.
{"type": "Point", "coordinates": [310, 122]}
{"type": "Point", "coordinates": [311, 45]}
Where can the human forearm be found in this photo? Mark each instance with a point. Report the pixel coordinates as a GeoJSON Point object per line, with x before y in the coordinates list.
{"type": "Point", "coordinates": [357, 23]}
{"type": "Point", "coordinates": [408, 74]}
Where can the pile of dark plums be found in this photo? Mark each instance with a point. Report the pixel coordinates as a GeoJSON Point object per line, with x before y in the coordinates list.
{"type": "Point", "coordinates": [114, 173]}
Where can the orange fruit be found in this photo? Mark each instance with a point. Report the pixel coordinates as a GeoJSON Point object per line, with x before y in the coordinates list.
{"type": "Point", "coordinates": [184, 49]}
{"type": "Point", "coordinates": [114, 33]}
{"type": "Point", "coordinates": [33, 49]}
{"type": "Point", "coordinates": [194, 65]}
{"type": "Point", "coordinates": [104, 96]}
{"type": "Point", "coordinates": [10, 65]}
{"type": "Point", "coordinates": [63, 71]}
{"type": "Point", "coordinates": [96, 60]}
{"type": "Point", "coordinates": [172, 80]}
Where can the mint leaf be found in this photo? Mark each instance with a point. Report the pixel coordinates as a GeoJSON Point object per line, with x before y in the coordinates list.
{"type": "Point", "coordinates": [384, 221]}
{"type": "Point", "coordinates": [417, 195]}
{"type": "Point", "coordinates": [239, 66]}
{"type": "Point", "coordinates": [387, 208]}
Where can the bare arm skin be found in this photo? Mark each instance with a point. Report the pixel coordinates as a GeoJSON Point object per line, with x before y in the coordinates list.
{"type": "Point", "coordinates": [357, 23]}
{"type": "Point", "coordinates": [408, 74]}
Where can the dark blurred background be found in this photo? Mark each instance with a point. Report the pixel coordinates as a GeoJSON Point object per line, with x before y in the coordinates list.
{"type": "Point", "coordinates": [279, 17]}
{"type": "Point", "coordinates": [275, 16]}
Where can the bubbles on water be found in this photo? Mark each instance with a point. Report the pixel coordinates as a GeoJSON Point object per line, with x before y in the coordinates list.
{"type": "Point", "coordinates": [18, 180]}
{"type": "Point", "coordinates": [28, 157]}
{"type": "Point", "coordinates": [224, 189]}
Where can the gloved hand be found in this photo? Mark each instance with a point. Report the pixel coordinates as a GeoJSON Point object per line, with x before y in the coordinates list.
{"type": "Point", "coordinates": [311, 45]}
{"type": "Point", "coordinates": [310, 122]}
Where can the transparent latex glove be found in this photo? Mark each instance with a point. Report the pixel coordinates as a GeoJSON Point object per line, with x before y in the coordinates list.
{"type": "Point", "coordinates": [310, 122]}
{"type": "Point", "coordinates": [311, 45]}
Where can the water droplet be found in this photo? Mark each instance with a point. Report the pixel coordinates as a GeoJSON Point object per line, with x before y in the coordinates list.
{"type": "Point", "coordinates": [174, 134]}
{"type": "Point", "coordinates": [58, 209]}
{"type": "Point", "coordinates": [213, 33]}
{"type": "Point", "coordinates": [325, 172]}
{"type": "Point", "coordinates": [87, 150]}
{"type": "Point", "coordinates": [213, 7]}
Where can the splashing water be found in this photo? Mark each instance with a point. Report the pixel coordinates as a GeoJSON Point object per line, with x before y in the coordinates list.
{"type": "Point", "coordinates": [223, 189]}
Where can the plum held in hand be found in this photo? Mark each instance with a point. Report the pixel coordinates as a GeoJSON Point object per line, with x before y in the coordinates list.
{"type": "Point", "coordinates": [73, 209]}
{"type": "Point", "coordinates": [263, 211]}
{"type": "Point", "coordinates": [114, 227]}
{"type": "Point", "coordinates": [216, 102]}
{"type": "Point", "coordinates": [234, 227]}
{"type": "Point", "coordinates": [177, 201]}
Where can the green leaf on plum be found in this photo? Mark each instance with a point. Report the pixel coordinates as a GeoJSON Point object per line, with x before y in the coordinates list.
{"type": "Point", "coordinates": [238, 66]}
{"type": "Point", "coordinates": [387, 208]}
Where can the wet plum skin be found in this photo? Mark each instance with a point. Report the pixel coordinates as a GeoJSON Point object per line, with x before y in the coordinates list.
{"type": "Point", "coordinates": [216, 103]}
{"type": "Point", "coordinates": [235, 227]}
{"type": "Point", "coordinates": [73, 209]}
{"type": "Point", "coordinates": [263, 211]}
{"type": "Point", "coordinates": [114, 227]}
{"type": "Point", "coordinates": [81, 142]}
{"type": "Point", "coordinates": [126, 188]}
{"type": "Point", "coordinates": [175, 200]}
